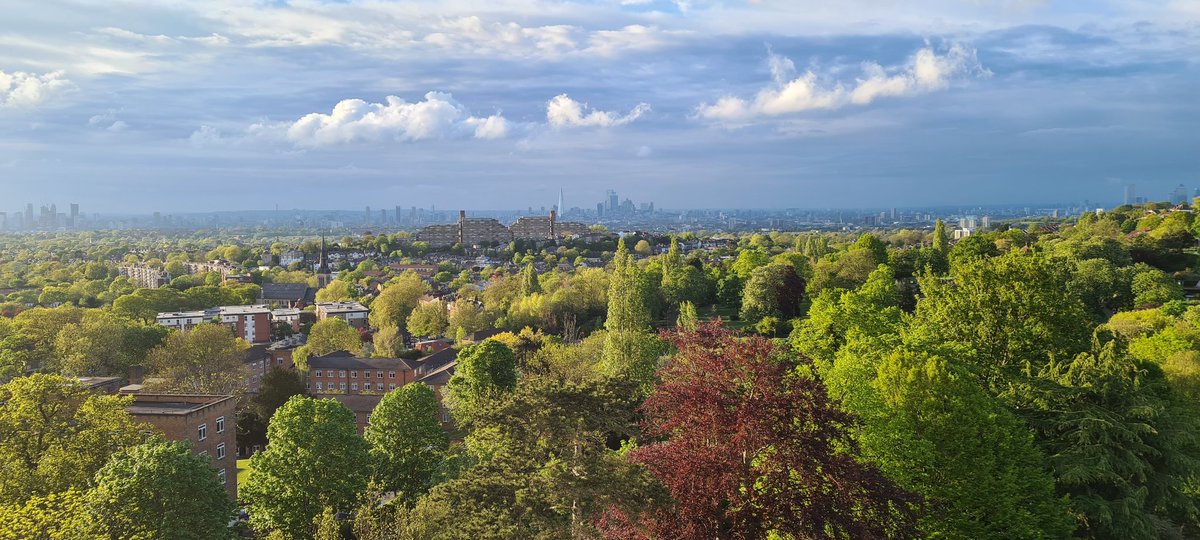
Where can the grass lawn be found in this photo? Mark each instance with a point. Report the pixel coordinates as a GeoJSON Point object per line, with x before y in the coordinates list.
{"type": "Point", "coordinates": [243, 470]}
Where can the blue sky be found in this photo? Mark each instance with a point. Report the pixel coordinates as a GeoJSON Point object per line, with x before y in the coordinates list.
{"type": "Point", "coordinates": [127, 105]}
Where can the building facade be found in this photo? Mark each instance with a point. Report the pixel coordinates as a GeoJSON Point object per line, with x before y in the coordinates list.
{"type": "Point", "coordinates": [351, 312]}
{"type": "Point", "coordinates": [208, 423]}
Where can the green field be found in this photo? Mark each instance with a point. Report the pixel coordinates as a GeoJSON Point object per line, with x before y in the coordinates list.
{"type": "Point", "coordinates": [243, 470]}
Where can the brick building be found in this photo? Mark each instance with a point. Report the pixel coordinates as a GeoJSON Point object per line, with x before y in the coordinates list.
{"type": "Point", "coordinates": [360, 383]}
{"type": "Point", "coordinates": [209, 423]}
{"type": "Point", "coordinates": [251, 323]}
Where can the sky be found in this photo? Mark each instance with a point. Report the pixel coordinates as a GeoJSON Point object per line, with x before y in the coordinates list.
{"type": "Point", "coordinates": [173, 105]}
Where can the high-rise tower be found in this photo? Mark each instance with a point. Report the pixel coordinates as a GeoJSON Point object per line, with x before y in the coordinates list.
{"type": "Point", "coordinates": [560, 208]}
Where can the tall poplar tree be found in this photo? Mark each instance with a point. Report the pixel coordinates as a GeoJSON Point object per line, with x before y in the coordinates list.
{"type": "Point", "coordinates": [630, 350]}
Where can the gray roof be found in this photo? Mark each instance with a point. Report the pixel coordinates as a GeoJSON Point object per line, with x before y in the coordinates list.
{"type": "Point", "coordinates": [344, 360]}
{"type": "Point", "coordinates": [284, 291]}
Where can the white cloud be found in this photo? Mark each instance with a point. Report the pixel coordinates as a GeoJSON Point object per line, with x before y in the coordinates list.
{"type": "Point", "coordinates": [562, 111]}
{"type": "Point", "coordinates": [108, 122]}
{"type": "Point", "coordinates": [925, 71]}
{"type": "Point", "coordinates": [644, 151]}
{"type": "Point", "coordinates": [26, 90]}
{"type": "Point", "coordinates": [437, 116]}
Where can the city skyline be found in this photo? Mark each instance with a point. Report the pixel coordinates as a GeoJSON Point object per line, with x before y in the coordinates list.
{"type": "Point", "coordinates": [706, 104]}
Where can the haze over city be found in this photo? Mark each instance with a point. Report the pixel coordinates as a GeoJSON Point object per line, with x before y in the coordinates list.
{"type": "Point", "coordinates": [219, 105]}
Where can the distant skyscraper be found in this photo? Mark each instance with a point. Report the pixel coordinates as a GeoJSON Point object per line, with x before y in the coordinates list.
{"type": "Point", "coordinates": [1179, 196]}
{"type": "Point", "coordinates": [29, 215]}
{"type": "Point", "coordinates": [397, 214]}
{"type": "Point", "coordinates": [611, 203]}
{"type": "Point", "coordinates": [368, 214]}
{"type": "Point", "coordinates": [1130, 194]}
{"type": "Point", "coordinates": [560, 208]}
{"type": "Point", "coordinates": [74, 215]}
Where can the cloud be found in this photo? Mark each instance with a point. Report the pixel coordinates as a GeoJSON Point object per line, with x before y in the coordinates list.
{"type": "Point", "coordinates": [108, 122]}
{"type": "Point", "coordinates": [644, 151]}
{"type": "Point", "coordinates": [437, 116]}
{"type": "Point", "coordinates": [562, 111]}
{"type": "Point", "coordinates": [26, 90]}
{"type": "Point", "coordinates": [925, 71]}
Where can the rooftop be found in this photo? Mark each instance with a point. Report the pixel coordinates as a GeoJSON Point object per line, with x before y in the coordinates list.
{"type": "Point", "coordinates": [181, 314]}
{"type": "Point", "coordinates": [172, 404]}
{"type": "Point", "coordinates": [341, 307]}
{"type": "Point", "coordinates": [284, 291]}
{"type": "Point", "coordinates": [245, 310]}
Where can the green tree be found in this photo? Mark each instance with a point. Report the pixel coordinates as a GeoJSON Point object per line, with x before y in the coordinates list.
{"type": "Point", "coordinates": [774, 290]}
{"type": "Point", "coordinates": [630, 351]}
{"type": "Point", "coordinates": [316, 459]}
{"type": "Point", "coordinates": [328, 336]}
{"type": "Point", "coordinates": [687, 316]}
{"type": "Point", "coordinates": [529, 280]}
{"type": "Point", "coordinates": [336, 291]}
{"type": "Point", "coordinates": [160, 490]}
{"type": "Point", "coordinates": [1154, 288]}
{"type": "Point", "coordinates": [407, 439]}
{"type": "Point", "coordinates": [55, 435]}
{"type": "Point", "coordinates": [429, 319]}
{"type": "Point", "coordinates": [484, 370]}
{"type": "Point", "coordinates": [57, 516]}
{"type": "Point", "coordinates": [204, 360]}
{"type": "Point", "coordinates": [387, 342]}
{"type": "Point", "coordinates": [397, 300]}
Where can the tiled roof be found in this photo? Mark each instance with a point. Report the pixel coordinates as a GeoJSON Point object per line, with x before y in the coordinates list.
{"type": "Point", "coordinates": [284, 291]}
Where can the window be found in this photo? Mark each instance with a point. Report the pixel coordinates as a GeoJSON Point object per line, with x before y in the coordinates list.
{"type": "Point", "coordinates": [354, 386]}
{"type": "Point", "coordinates": [391, 374]}
{"type": "Point", "coordinates": [309, 384]}
{"type": "Point", "coordinates": [366, 374]}
{"type": "Point", "coordinates": [318, 386]}
{"type": "Point", "coordinates": [221, 451]}
{"type": "Point", "coordinates": [202, 432]}
{"type": "Point", "coordinates": [343, 385]}
{"type": "Point", "coordinates": [342, 374]}
{"type": "Point", "coordinates": [317, 373]}
{"type": "Point", "coordinates": [279, 361]}
{"type": "Point", "coordinates": [221, 475]}
{"type": "Point", "coordinates": [353, 374]}
{"type": "Point", "coordinates": [379, 386]}
{"type": "Point", "coordinates": [391, 387]}
{"type": "Point", "coordinates": [368, 418]}
{"type": "Point", "coordinates": [379, 374]}
{"type": "Point", "coordinates": [220, 424]}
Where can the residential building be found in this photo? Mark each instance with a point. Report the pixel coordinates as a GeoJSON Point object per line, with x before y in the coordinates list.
{"type": "Point", "coordinates": [360, 383]}
{"type": "Point", "coordinates": [351, 312]}
{"type": "Point", "coordinates": [208, 422]}
{"type": "Point", "coordinates": [251, 323]}
{"type": "Point", "coordinates": [145, 277]}
{"type": "Point", "coordinates": [281, 351]}
{"type": "Point", "coordinates": [423, 270]}
{"type": "Point", "coordinates": [288, 316]}
{"type": "Point", "coordinates": [182, 320]}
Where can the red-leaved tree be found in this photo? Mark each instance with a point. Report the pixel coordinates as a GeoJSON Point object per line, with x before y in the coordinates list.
{"type": "Point", "coordinates": [746, 441]}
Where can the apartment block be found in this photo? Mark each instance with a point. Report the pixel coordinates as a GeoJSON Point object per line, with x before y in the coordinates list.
{"type": "Point", "coordinates": [351, 312]}
{"type": "Point", "coordinates": [208, 422]}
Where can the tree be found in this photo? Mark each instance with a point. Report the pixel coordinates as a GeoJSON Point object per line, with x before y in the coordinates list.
{"type": "Point", "coordinates": [1013, 310]}
{"type": "Point", "coordinates": [55, 435]}
{"type": "Point", "coordinates": [387, 342]}
{"type": "Point", "coordinates": [1153, 287]}
{"type": "Point", "coordinates": [687, 317]}
{"type": "Point", "coordinates": [204, 360]}
{"type": "Point", "coordinates": [316, 459]}
{"type": "Point", "coordinates": [749, 445]}
{"type": "Point", "coordinates": [95, 346]}
{"type": "Point", "coordinates": [872, 244]}
{"type": "Point", "coordinates": [278, 387]}
{"type": "Point", "coordinates": [328, 336]}
{"type": "Point", "coordinates": [336, 291]}
{"type": "Point", "coordinates": [429, 319]}
{"type": "Point", "coordinates": [630, 350]}
{"type": "Point", "coordinates": [529, 280]}
{"type": "Point", "coordinates": [326, 526]}
{"type": "Point", "coordinates": [774, 290]}
{"type": "Point", "coordinates": [160, 489]}
{"type": "Point", "coordinates": [407, 439]}
{"type": "Point", "coordinates": [642, 247]}
{"type": "Point", "coordinates": [484, 370]}
{"type": "Point", "coordinates": [397, 300]}
{"type": "Point", "coordinates": [57, 516]}
{"type": "Point", "coordinates": [929, 425]}
{"type": "Point", "coordinates": [545, 468]}
{"type": "Point", "coordinates": [843, 271]}
{"type": "Point", "coordinates": [466, 317]}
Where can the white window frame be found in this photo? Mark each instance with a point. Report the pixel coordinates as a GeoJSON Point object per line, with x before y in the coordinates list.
{"type": "Point", "coordinates": [221, 451]}
{"type": "Point", "coordinates": [202, 432]}
{"type": "Point", "coordinates": [220, 424]}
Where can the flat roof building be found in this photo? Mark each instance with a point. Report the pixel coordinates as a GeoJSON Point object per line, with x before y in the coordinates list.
{"type": "Point", "coordinates": [208, 422]}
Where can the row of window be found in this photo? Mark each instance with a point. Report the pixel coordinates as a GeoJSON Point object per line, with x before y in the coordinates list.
{"type": "Point", "coordinates": [354, 374]}
{"type": "Point", "coordinates": [202, 429]}
{"type": "Point", "coordinates": [353, 386]}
